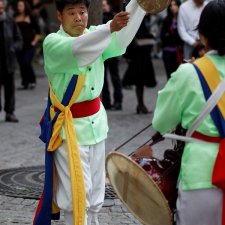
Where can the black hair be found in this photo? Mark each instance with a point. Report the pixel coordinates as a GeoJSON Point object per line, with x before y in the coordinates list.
{"type": "Point", "coordinates": [169, 16]}
{"type": "Point", "coordinates": [169, 13]}
{"type": "Point", "coordinates": [211, 25]}
{"type": "Point", "coordinates": [27, 8]}
{"type": "Point", "coordinates": [60, 4]}
{"type": "Point", "coordinates": [197, 50]}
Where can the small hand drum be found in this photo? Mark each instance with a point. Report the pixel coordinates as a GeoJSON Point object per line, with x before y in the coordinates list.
{"type": "Point", "coordinates": [153, 6]}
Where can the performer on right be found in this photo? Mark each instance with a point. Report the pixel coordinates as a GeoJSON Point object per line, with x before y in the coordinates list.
{"type": "Point", "coordinates": [201, 182]}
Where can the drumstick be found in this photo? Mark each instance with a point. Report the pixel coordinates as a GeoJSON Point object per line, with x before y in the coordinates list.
{"type": "Point", "coordinates": [139, 132]}
{"type": "Point", "coordinates": [124, 5]}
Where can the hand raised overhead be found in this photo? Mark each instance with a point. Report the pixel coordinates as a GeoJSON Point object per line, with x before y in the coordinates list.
{"type": "Point", "coordinates": [119, 21]}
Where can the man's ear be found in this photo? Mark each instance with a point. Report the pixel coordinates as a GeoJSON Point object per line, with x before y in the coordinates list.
{"type": "Point", "coordinates": [59, 16]}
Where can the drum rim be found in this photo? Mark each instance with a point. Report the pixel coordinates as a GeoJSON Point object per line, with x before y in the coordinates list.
{"type": "Point", "coordinates": [154, 10]}
{"type": "Point", "coordinates": [148, 178]}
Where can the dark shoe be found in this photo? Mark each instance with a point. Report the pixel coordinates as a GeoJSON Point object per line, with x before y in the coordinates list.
{"type": "Point", "coordinates": [127, 87]}
{"type": "Point", "coordinates": [141, 109]}
{"type": "Point", "coordinates": [32, 86]}
{"type": "Point", "coordinates": [10, 117]}
{"type": "Point", "coordinates": [22, 87]}
{"type": "Point", "coordinates": [117, 106]}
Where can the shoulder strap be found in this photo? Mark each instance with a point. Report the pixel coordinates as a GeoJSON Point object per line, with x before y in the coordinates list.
{"type": "Point", "coordinates": [212, 79]}
{"type": "Point", "coordinates": [205, 68]}
{"type": "Point", "coordinates": [208, 72]}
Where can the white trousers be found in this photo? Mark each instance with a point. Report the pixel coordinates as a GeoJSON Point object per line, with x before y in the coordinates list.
{"type": "Point", "coordinates": [93, 164]}
{"type": "Point", "coordinates": [199, 207]}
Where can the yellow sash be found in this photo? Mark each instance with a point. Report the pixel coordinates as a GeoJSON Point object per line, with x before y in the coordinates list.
{"type": "Point", "coordinates": [212, 78]}
{"type": "Point", "coordinates": [76, 173]}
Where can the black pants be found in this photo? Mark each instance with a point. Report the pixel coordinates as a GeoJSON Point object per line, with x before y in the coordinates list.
{"type": "Point", "coordinates": [170, 62]}
{"type": "Point", "coordinates": [25, 58]}
{"type": "Point", "coordinates": [7, 82]}
{"type": "Point", "coordinates": [113, 66]}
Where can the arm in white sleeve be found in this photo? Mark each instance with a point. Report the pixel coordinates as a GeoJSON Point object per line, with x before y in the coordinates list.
{"type": "Point", "coordinates": [181, 26]}
{"type": "Point", "coordinates": [88, 47]}
{"type": "Point", "coordinates": [126, 35]}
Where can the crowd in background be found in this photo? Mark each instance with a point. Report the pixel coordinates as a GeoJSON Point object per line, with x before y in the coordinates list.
{"type": "Point", "coordinates": [31, 18]}
{"type": "Point", "coordinates": [170, 36]}
{"type": "Point", "coordinates": [22, 28]}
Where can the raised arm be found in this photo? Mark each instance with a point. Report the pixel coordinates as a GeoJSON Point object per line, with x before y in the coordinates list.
{"type": "Point", "coordinates": [126, 35]}
{"type": "Point", "coordinates": [89, 47]}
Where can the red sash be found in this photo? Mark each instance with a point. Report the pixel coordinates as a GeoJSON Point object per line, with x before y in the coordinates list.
{"type": "Point", "coordinates": [83, 109]}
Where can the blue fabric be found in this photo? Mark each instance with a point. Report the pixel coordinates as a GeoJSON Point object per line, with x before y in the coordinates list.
{"type": "Point", "coordinates": [45, 215]}
{"type": "Point", "coordinates": [215, 113]}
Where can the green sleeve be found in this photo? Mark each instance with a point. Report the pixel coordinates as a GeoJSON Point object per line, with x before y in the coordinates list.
{"type": "Point", "coordinates": [58, 54]}
{"type": "Point", "coordinates": [113, 50]}
{"type": "Point", "coordinates": [175, 100]}
{"type": "Point", "coordinates": [168, 109]}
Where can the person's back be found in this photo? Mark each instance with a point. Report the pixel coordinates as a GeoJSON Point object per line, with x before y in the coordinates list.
{"type": "Point", "coordinates": [181, 101]}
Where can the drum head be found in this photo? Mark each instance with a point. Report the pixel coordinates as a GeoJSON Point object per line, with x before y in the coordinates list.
{"type": "Point", "coordinates": [137, 190]}
{"type": "Point", "coordinates": [153, 6]}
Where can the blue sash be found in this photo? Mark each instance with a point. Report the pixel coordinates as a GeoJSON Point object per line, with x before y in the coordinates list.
{"type": "Point", "coordinates": [44, 214]}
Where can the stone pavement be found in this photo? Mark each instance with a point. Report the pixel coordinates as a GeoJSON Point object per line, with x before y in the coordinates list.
{"type": "Point", "coordinates": [20, 146]}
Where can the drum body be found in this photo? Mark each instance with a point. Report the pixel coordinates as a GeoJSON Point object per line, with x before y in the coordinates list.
{"type": "Point", "coordinates": [147, 186]}
{"type": "Point", "coordinates": [164, 175]}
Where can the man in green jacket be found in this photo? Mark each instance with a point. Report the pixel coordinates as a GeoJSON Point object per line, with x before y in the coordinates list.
{"type": "Point", "coordinates": [76, 50]}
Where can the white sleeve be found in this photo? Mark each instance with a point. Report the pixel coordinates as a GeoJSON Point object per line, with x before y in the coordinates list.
{"type": "Point", "coordinates": [181, 26]}
{"type": "Point", "coordinates": [88, 47]}
{"type": "Point", "coordinates": [126, 35]}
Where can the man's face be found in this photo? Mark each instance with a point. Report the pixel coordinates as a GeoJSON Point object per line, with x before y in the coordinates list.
{"type": "Point", "coordinates": [74, 18]}
{"type": "Point", "coordinates": [2, 7]}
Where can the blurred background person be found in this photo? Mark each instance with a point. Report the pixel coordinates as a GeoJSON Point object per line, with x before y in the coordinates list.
{"type": "Point", "coordinates": [40, 13]}
{"type": "Point", "coordinates": [31, 34]}
{"type": "Point", "coordinates": [156, 26]}
{"type": "Point", "coordinates": [111, 66]}
{"type": "Point", "coordinates": [10, 42]}
{"type": "Point", "coordinates": [172, 45]}
{"type": "Point", "coordinates": [10, 8]}
{"type": "Point", "coordinates": [140, 71]}
{"type": "Point", "coordinates": [188, 18]}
